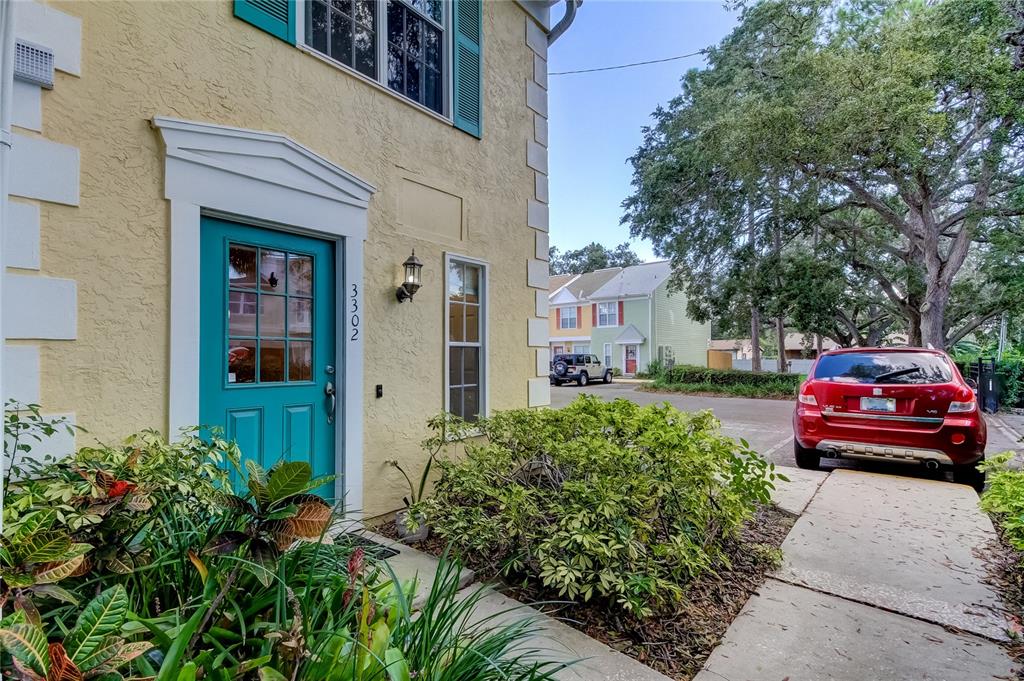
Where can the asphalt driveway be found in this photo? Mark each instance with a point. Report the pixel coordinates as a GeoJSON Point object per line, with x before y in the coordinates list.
{"type": "Point", "coordinates": [766, 424]}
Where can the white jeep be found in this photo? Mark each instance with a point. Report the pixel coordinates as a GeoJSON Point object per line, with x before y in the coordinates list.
{"type": "Point", "coordinates": [580, 368]}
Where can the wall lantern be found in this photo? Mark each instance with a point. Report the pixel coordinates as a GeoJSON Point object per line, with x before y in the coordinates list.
{"type": "Point", "coordinates": [411, 284]}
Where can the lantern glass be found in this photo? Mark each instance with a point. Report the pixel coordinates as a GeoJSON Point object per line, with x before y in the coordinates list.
{"type": "Point", "coordinates": [412, 270]}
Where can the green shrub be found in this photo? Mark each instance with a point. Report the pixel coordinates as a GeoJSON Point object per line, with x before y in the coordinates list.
{"type": "Point", "coordinates": [1011, 374]}
{"type": "Point", "coordinates": [600, 499]}
{"type": "Point", "coordinates": [164, 574]}
{"type": "Point", "coordinates": [685, 373]}
{"type": "Point", "coordinates": [1004, 497]}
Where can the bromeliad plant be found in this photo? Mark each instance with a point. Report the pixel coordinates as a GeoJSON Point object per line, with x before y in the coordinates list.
{"type": "Point", "coordinates": [277, 511]}
{"type": "Point", "coordinates": [446, 429]}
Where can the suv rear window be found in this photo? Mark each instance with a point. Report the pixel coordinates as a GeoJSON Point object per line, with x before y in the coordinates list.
{"type": "Point", "coordinates": [904, 368]}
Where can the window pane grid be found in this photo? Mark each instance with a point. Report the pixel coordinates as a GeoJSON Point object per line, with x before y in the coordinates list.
{"type": "Point", "coordinates": [426, 9]}
{"type": "Point", "coordinates": [607, 314]}
{"type": "Point", "coordinates": [270, 317]}
{"type": "Point", "coordinates": [398, 43]}
{"type": "Point", "coordinates": [344, 30]}
{"type": "Point", "coordinates": [465, 342]}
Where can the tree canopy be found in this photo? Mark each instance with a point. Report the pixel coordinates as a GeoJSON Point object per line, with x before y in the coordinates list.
{"type": "Point", "coordinates": [591, 257]}
{"type": "Point", "coordinates": [854, 166]}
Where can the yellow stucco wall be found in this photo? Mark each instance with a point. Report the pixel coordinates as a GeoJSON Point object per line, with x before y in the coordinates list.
{"type": "Point", "coordinates": [194, 60]}
{"type": "Point", "coordinates": [585, 318]}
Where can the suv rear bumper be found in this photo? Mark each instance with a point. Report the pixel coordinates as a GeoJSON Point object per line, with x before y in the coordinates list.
{"type": "Point", "coordinates": [956, 441]}
{"type": "Point", "coordinates": [897, 453]}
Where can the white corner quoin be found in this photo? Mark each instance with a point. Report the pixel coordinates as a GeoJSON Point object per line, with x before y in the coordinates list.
{"type": "Point", "coordinates": [264, 179]}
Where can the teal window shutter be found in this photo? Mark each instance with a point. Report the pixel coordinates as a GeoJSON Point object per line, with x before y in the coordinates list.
{"type": "Point", "coordinates": [469, 74]}
{"type": "Point", "coordinates": [276, 17]}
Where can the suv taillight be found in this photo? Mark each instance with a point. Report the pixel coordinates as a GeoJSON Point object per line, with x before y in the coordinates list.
{"type": "Point", "coordinates": [962, 407]}
{"type": "Point", "coordinates": [806, 395]}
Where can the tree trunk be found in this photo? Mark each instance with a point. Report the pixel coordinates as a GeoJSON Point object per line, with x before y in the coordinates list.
{"type": "Point", "coordinates": [933, 319]}
{"type": "Point", "coordinates": [780, 322]}
{"type": "Point", "coordinates": [755, 339]}
{"type": "Point", "coordinates": [755, 314]}
{"type": "Point", "coordinates": [817, 344]}
{"type": "Point", "coordinates": [780, 330]}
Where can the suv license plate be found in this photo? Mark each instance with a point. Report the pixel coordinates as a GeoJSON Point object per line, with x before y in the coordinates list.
{"type": "Point", "coordinates": [886, 404]}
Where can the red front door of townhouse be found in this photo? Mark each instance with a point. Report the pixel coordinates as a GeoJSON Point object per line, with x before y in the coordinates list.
{"type": "Point", "coordinates": [630, 359]}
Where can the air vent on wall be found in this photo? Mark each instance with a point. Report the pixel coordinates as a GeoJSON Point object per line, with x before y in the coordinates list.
{"type": "Point", "coordinates": [33, 63]}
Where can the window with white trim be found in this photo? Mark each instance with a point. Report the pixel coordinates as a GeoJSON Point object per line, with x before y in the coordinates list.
{"type": "Point", "coordinates": [582, 348]}
{"type": "Point", "coordinates": [607, 354]}
{"type": "Point", "coordinates": [608, 314]}
{"type": "Point", "coordinates": [568, 318]}
{"type": "Point", "coordinates": [402, 44]}
{"type": "Point", "coordinates": [465, 346]}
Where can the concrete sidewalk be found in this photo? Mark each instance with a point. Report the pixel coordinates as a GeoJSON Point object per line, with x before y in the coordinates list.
{"type": "Point", "coordinates": [880, 581]}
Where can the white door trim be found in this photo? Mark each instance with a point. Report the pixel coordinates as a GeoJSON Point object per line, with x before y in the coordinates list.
{"type": "Point", "coordinates": [264, 179]}
{"type": "Point", "coordinates": [637, 360]}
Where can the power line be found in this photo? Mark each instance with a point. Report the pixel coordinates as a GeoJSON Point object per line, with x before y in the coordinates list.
{"type": "Point", "coordinates": [626, 66]}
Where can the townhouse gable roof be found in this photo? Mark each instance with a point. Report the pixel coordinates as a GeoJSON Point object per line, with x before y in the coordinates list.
{"type": "Point", "coordinates": [582, 286]}
{"type": "Point", "coordinates": [557, 281]}
{"type": "Point", "coordinates": [638, 280]}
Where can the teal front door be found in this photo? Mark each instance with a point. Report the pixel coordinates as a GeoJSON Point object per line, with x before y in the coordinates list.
{"type": "Point", "coordinates": [267, 366]}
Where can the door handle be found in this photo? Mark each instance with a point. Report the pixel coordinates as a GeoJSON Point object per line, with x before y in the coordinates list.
{"type": "Point", "coordinates": [332, 401]}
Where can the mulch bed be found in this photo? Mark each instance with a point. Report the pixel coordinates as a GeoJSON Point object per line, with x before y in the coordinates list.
{"type": "Point", "coordinates": [1005, 566]}
{"type": "Point", "coordinates": [675, 644]}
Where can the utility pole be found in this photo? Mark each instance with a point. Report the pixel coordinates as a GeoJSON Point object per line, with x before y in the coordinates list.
{"type": "Point", "coordinates": [1002, 337]}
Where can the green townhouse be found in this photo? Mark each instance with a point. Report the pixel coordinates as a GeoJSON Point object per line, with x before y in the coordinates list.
{"type": "Point", "coordinates": [637, 320]}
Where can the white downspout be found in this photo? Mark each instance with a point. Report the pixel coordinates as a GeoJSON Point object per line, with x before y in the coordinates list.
{"type": "Point", "coordinates": [651, 350]}
{"type": "Point", "coordinates": [6, 94]}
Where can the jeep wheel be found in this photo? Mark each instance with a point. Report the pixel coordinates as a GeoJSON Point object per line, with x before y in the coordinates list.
{"type": "Point", "coordinates": [582, 380]}
{"type": "Point", "coordinates": [561, 369]}
{"type": "Point", "coordinates": [608, 376]}
{"type": "Point", "coordinates": [809, 459]}
{"type": "Point", "coordinates": [970, 475]}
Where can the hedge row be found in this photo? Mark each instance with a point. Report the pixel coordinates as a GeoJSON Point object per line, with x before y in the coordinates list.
{"type": "Point", "coordinates": [685, 373]}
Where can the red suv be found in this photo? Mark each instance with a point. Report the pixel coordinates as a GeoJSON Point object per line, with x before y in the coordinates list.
{"type": "Point", "coordinates": [908, 405]}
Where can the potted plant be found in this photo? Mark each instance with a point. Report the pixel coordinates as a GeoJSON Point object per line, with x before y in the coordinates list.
{"type": "Point", "coordinates": [410, 524]}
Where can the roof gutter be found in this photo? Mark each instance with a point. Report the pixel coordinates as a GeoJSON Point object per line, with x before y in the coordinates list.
{"type": "Point", "coordinates": [540, 12]}
{"type": "Point", "coordinates": [565, 22]}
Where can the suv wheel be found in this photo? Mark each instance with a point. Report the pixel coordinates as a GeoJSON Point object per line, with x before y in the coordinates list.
{"type": "Point", "coordinates": [582, 379]}
{"type": "Point", "coordinates": [809, 459]}
{"type": "Point", "coordinates": [970, 475]}
{"type": "Point", "coordinates": [608, 376]}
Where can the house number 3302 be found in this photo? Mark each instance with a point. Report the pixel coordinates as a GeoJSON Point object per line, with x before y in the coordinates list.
{"type": "Point", "coordinates": [354, 319]}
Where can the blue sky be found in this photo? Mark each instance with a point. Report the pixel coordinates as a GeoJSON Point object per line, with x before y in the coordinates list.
{"type": "Point", "coordinates": [595, 118]}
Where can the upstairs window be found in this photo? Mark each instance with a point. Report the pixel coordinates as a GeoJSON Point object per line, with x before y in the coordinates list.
{"type": "Point", "coordinates": [568, 318]}
{"type": "Point", "coordinates": [427, 51]}
{"type": "Point", "coordinates": [407, 37]}
{"type": "Point", "coordinates": [608, 314]}
{"type": "Point", "coordinates": [346, 31]}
